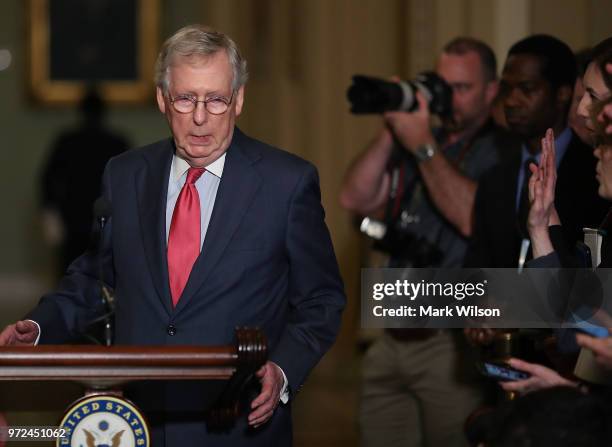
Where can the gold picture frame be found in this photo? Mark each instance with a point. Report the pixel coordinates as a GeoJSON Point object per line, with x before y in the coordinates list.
{"type": "Point", "coordinates": [54, 76]}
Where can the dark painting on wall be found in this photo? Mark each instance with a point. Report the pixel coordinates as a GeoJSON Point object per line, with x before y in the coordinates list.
{"type": "Point", "coordinates": [96, 40]}
{"type": "Point", "coordinates": [75, 43]}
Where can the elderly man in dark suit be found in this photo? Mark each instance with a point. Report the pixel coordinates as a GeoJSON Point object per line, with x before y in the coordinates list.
{"type": "Point", "coordinates": [210, 230]}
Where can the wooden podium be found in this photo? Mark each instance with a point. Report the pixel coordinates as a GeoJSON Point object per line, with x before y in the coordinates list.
{"type": "Point", "coordinates": [105, 370]}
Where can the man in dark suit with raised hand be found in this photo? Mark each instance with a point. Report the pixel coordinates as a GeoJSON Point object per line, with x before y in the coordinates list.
{"type": "Point", "coordinates": [536, 87]}
{"type": "Point", "coordinates": [210, 230]}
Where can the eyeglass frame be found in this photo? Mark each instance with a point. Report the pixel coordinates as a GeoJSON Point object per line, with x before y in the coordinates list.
{"type": "Point", "coordinates": [195, 102]}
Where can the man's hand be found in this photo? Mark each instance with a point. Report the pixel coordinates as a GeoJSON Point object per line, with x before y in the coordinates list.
{"type": "Point", "coordinates": [601, 347]}
{"type": "Point", "coordinates": [20, 333]}
{"type": "Point", "coordinates": [271, 379]}
{"type": "Point", "coordinates": [412, 128]}
{"type": "Point", "coordinates": [541, 378]}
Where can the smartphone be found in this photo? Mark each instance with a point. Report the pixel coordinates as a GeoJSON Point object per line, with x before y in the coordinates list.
{"type": "Point", "coordinates": [502, 371]}
{"type": "Point", "coordinates": [592, 330]}
{"type": "Point", "coordinates": [586, 326]}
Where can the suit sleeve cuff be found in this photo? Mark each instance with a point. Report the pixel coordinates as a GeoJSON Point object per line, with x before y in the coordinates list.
{"type": "Point", "coordinates": [284, 394]}
{"type": "Point", "coordinates": [38, 337]}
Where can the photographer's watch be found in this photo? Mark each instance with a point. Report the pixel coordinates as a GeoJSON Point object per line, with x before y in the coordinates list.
{"type": "Point", "coordinates": [425, 152]}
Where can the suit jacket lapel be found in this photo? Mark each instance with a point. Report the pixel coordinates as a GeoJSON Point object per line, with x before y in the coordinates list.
{"type": "Point", "coordinates": [508, 205]}
{"type": "Point", "coordinates": [513, 186]}
{"type": "Point", "coordinates": [152, 189]}
{"type": "Point", "coordinates": [239, 183]}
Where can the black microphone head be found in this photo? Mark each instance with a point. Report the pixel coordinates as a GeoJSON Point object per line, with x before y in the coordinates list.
{"type": "Point", "coordinates": [102, 208]}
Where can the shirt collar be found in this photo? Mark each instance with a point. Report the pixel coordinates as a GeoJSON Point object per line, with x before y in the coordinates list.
{"type": "Point", "coordinates": [180, 166]}
{"type": "Point", "coordinates": [561, 144]}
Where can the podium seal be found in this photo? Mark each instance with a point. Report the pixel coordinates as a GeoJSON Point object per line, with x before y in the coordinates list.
{"type": "Point", "coordinates": [104, 421]}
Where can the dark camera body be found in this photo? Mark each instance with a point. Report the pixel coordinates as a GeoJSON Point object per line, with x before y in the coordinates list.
{"type": "Point", "coordinates": [405, 248]}
{"type": "Point", "coordinates": [373, 95]}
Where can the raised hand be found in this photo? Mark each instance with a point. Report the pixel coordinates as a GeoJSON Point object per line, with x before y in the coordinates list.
{"type": "Point", "coordinates": [542, 211]}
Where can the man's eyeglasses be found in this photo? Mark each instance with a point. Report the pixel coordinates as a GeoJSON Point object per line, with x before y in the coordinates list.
{"type": "Point", "coordinates": [217, 105]}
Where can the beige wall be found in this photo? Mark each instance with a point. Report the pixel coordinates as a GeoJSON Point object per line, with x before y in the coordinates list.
{"type": "Point", "coordinates": [302, 54]}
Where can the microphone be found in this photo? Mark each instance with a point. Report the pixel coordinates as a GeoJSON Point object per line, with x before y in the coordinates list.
{"type": "Point", "coordinates": [102, 213]}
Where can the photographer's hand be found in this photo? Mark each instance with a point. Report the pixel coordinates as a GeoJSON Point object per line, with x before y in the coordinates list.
{"type": "Point", "coordinates": [452, 192]}
{"type": "Point", "coordinates": [412, 129]}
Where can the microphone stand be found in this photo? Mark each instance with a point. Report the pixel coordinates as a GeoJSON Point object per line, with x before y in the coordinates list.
{"type": "Point", "coordinates": [107, 296]}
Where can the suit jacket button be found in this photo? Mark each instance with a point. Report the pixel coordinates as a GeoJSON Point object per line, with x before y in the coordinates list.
{"type": "Point", "coordinates": [171, 330]}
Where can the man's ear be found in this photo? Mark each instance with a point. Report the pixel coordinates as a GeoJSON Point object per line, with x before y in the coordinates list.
{"type": "Point", "coordinates": [161, 101]}
{"type": "Point", "coordinates": [239, 100]}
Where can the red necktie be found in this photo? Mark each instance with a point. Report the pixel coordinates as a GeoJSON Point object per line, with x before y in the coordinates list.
{"type": "Point", "coordinates": [184, 238]}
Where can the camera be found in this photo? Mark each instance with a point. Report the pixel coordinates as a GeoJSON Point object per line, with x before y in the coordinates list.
{"type": "Point", "coordinates": [396, 239]}
{"type": "Point", "coordinates": [373, 95]}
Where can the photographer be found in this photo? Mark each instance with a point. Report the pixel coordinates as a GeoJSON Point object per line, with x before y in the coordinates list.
{"type": "Point", "coordinates": [439, 166]}
{"type": "Point", "coordinates": [416, 388]}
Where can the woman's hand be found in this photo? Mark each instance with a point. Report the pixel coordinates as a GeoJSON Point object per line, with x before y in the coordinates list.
{"type": "Point", "coordinates": [541, 377]}
{"type": "Point", "coordinates": [542, 212]}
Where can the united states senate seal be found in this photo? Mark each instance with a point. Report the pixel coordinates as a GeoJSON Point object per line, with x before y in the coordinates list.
{"type": "Point", "coordinates": [104, 421]}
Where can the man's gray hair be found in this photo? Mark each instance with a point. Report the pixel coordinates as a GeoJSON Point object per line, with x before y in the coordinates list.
{"type": "Point", "coordinates": [199, 40]}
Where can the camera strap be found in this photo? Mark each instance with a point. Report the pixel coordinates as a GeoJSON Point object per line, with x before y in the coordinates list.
{"type": "Point", "coordinates": [405, 195]}
{"type": "Point", "coordinates": [396, 192]}
{"type": "Point", "coordinates": [399, 186]}
{"type": "Point", "coordinates": [399, 189]}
